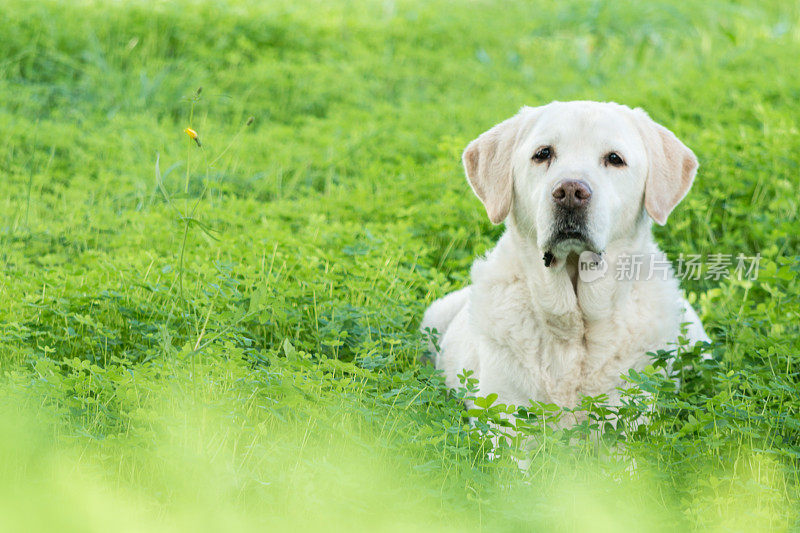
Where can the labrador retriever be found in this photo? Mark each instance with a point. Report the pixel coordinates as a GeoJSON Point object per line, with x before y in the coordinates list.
{"type": "Point", "coordinates": [569, 179]}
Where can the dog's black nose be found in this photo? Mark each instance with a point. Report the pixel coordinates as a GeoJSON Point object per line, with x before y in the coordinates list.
{"type": "Point", "coordinates": [572, 193]}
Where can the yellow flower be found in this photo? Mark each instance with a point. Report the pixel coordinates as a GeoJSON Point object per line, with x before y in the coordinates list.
{"type": "Point", "coordinates": [193, 134]}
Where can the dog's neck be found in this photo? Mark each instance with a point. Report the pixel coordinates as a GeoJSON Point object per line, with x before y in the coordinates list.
{"type": "Point", "coordinates": [559, 290]}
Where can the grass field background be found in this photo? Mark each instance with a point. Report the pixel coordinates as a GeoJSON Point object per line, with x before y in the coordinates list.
{"type": "Point", "coordinates": [224, 337]}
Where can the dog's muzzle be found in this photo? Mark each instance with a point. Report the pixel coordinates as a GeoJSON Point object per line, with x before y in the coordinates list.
{"type": "Point", "coordinates": [571, 199]}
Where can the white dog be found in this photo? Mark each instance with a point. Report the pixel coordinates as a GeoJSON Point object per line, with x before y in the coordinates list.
{"type": "Point", "coordinates": [568, 178]}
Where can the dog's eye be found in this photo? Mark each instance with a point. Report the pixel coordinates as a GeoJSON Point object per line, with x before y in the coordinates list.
{"type": "Point", "coordinates": [614, 159]}
{"type": "Point", "coordinates": [543, 154]}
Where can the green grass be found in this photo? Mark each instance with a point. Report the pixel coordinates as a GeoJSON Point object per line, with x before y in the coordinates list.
{"type": "Point", "coordinates": [224, 337]}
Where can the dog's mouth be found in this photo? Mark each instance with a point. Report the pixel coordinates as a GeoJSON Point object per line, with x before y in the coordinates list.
{"type": "Point", "coordinates": [569, 234]}
{"type": "Point", "coordinates": [565, 241]}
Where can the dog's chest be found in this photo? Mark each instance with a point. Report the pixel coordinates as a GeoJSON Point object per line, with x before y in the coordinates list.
{"type": "Point", "coordinates": [559, 358]}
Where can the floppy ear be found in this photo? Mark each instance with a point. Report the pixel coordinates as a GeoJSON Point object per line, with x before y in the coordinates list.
{"type": "Point", "coordinates": [671, 172]}
{"type": "Point", "coordinates": [487, 161]}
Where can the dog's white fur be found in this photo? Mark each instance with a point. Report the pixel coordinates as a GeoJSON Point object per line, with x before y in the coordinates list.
{"type": "Point", "coordinates": [531, 332]}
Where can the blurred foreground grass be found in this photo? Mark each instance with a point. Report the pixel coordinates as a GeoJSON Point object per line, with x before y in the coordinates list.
{"type": "Point", "coordinates": [225, 337]}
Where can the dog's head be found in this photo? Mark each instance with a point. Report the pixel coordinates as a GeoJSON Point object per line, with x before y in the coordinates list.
{"type": "Point", "coordinates": [576, 176]}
